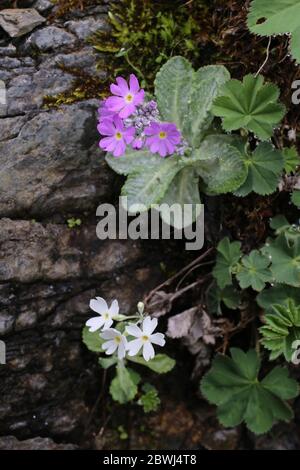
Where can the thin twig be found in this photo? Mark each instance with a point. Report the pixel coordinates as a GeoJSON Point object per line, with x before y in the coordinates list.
{"type": "Point", "coordinates": [182, 271]}
{"type": "Point", "coordinates": [266, 59]}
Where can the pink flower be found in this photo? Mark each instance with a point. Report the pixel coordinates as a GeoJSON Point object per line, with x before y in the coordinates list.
{"type": "Point", "coordinates": [162, 138]}
{"type": "Point", "coordinates": [127, 97]}
{"type": "Point", "coordinates": [104, 112]}
{"type": "Point", "coordinates": [137, 143]}
{"type": "Point", "coordinates": [118, 136]}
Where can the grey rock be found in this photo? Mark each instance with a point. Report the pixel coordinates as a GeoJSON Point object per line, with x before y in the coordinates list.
{"type": "Point", "coordinates": [6, 323]}
{"type": "Point", "coordinates": [43, 5]}
{"type": "Point", "coordinates": [38, 443]}
{"type": "Point", "coordinates": [51, 38]}
{"type": "Point", "coordinates": [85, 60]}
{"type": "Point", "coordinates": [51, 162]}
{"type": "Point", "coordinates": [31, 252]}
{"type": "Point", "coordinates": [26, 91]}
{"type": "Point", "coordinates": [86, 27]}
{"type": "Point", "coordinates": [8, 51]}
{"type": "Point", "coordinates": [17, 22]}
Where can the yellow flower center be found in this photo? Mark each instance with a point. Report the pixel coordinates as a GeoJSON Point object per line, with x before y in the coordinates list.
{"type": "Point", "coordinates": [145, 338]}
{"type": "Point", "coordinates": [162, 135]}
{"type": "Point", "coordinates": [106, 316]}
{"type": "Point", "coordinates": [117, 339]}
{"type": "Point", "coordinates": [118, 136]}
{"type": "Point", "coordinates": [128, 98]}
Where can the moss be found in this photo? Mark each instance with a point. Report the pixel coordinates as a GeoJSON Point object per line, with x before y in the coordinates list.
{"type": "Point", "coordinates": [84, 87]}
{"type": "Point", "coordinates": [66, 6]}
{"type": "Point", "coordinates": [144, 34]}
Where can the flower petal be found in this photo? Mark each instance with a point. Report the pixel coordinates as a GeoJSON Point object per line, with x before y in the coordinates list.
{"type": "Point", "coordinates": [148, 351]}
{"type": "Point", "coordinates": [109, 333]}
{"type": "Point", "coordinates": [114, 308]}
{"type": "Point", "coordinates": [106, 127]}
{"type": "Point", "coordinates": [134, 330]}
{"type": "Point", "coordinates": [121, 350]}
{"type": "Point", "coordinates": [108, 144]}
{"type": "Point", "coordinates": [158, 338]}
{"type": "Point", "coordinates": [139, 98]}
{"type": "Point", "coordinates": [134, 346]}
{"type": "Point", "coordinates": [134, 85]}
{"type": "Point", "coordinates": [99, 305]}
{"type": "Point", "coordinates": [119, 148]}
{"type": "Point", "coordinates": [95, 323]}
{"type": "Point", "coordinates": [127, 111]}
{"type": "Point", "coordinates": [122, 84]}
{"type": "Point", "coordinates": [149, 325]}
{"type": "Point", "coordinates": [115, 103]}
{"type": "Point", "coordinates": [107, 324]}
{"type": "Point", "coordinates": [116, 90]}
{"type": "Point", "coordinates": [110, 347]}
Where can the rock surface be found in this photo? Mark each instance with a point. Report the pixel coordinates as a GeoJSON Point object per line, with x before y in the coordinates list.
{"type": "Point", "coordinates": [38, 443]}
{"type": "Point", "coordinates": [51, 169]}
{"type": "Point", "coordinates": [20, 21]}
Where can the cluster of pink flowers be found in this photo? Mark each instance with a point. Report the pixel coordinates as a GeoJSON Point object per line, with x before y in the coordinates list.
{"type": "Point", "coordinates": [126, 119]}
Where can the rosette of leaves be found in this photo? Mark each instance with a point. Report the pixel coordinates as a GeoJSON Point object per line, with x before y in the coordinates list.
{"type": "Point", "coordinates": [281, 329]}
{"type": "Point", "coordinates": [251, 105]}
{"type": "Point", "coordinates": [233, 384]}
{"type": "Point", "coordinates": [124, 386]}
{"type": "Point", "coordinates": [185, 97]}
{"type": "Point", "coordinates": [269, 18]}
{"type": "Point", "coordinates": [216, 163]}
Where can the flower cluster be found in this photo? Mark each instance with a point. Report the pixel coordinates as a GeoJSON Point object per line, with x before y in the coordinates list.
{"type": "Point", "coordinates": [142, 337]}
{"type": "Point", "coordinates": [127, 119]}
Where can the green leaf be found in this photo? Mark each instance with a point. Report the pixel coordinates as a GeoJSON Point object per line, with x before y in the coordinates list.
{"type": "Point", "coordinates": [277, 294]}
{"type": "Point", "coordinates": [150, 400]}
{"type": "Point", "coordinates": [184, 189]}
{"type": "Point", "coordinates": [285, 256]}
{"type": "Point", "coordinates": [207, 82]}
{"type": "Point", "coordinates": [123, 387]}
{"type": "Point", "coordinates": [281, 329]}
{"type": "Point", "coordinates": [254, 271]}
{"type": "Point", "coordinates": [147, 185]}
{"type": "Point", "coordinates": [173, 85]}
{"type": "Point", "coordinates": [250, 105]}
{"type": "Point", "coordinates": [92, 340]}
{"type": "Point", "coordinates": [264, 166]}
{"type": "Point", "coordinates": [291, 159]}
{"type": "Point", "coordinates": [133, 160]}
{"type": "Point", "coordinates": [295, 198]}
{"type": "Point", "coordinates": [106, 362]}
{"type": "Point", "coordinates": [229, 296]}
{"type": "Point", "coordinates": [279, 222]}
{"type": "Point", "coordinates": [219, 164]}
{"type": "Point", "coordinates": [227, 257]}
{"type": "Point", "coordinates": [232, 384]}
{"type": "Point", "coordinates": [161, 363]}
{"type": "Point", "coordinates": [267, 18]}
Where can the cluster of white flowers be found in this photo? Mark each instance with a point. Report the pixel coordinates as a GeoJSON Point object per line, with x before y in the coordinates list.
{"type": "Point", "coordinates": [117, 341]}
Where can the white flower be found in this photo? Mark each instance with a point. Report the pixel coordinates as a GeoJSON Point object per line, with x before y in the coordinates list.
{"type": "Point", "coordinates": [144, 338]}
{"type": "Point", "coordinates": [115, 340]}
{"type": "Point", "coordinates": [106, 317]}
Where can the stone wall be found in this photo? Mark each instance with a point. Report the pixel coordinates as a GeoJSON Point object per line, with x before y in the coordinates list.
{"type": "Point", "coordinates": [50, 169]}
